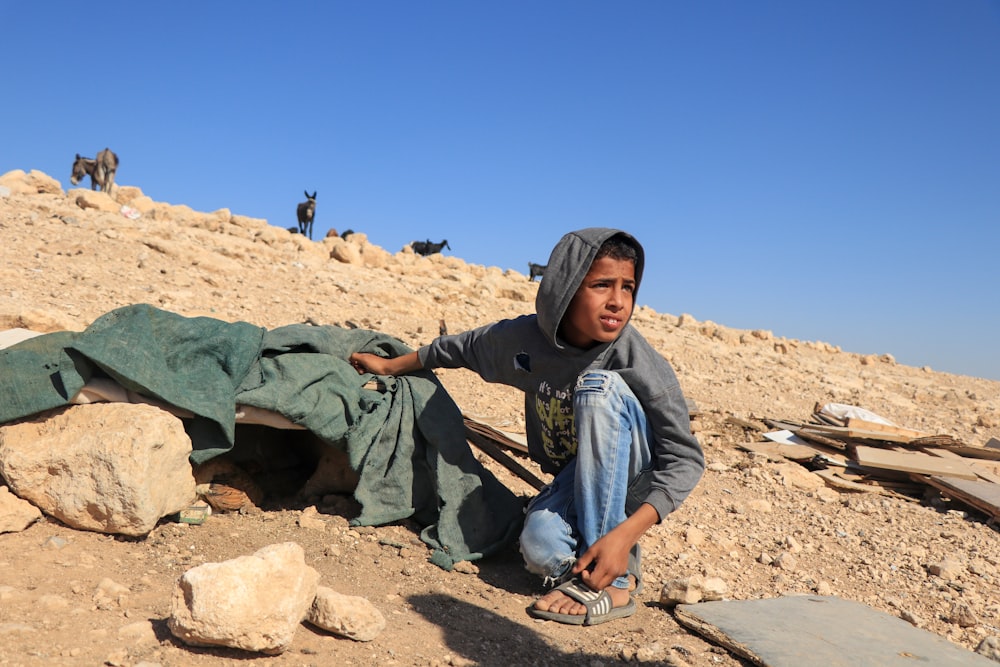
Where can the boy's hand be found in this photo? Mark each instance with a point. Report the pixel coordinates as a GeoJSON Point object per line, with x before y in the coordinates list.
{"type": "Point", "coordinates": [364, 362]}
{"type": "Point", "coordinates": [607, 558]}
{"type": "Point", "coordinates": [604, 561]}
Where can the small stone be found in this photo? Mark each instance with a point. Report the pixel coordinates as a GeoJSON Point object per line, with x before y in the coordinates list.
{"type": "Point", "coordinates": [990, 647]}
{"type": "Point", "coordinates": [694, 536]}
{"type": "Point", "coordinates": [962, 615]}
{"type": "Point", "coordinates": [786, 561]}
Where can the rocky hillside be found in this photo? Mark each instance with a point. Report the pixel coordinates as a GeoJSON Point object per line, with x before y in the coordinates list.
{"type": "Point", "coordinates": [69, 257]}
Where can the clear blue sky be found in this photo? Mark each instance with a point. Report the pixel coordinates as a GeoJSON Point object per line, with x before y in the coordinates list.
{"type": "Point", "coordinates": [828, 171]}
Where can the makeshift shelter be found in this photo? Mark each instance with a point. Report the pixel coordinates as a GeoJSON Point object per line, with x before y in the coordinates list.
{"type": "Point", "coordinates": [405, 438]}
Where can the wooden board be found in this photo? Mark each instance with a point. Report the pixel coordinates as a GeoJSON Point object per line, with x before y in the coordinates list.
{"type": "Point", "coordinates": [982, 495]}
{"type": "Point", "coordinates": [489, 446]}
{"type": "Point", "coordinates": [512, 441]}
{"type": "Point", "coordinates": [845, 433]}
{"type": "Point", "coordinates": [879, 433]}
{"type": "Point", "coordinates": [981, 470]}
{"type": "Point", "coordinates": [778, 451]}
{"type": "Point", "coordinates": [915, 462]}
{"type": "Point", "coordinates": [809, 433]}
{"type": "Point", "coordinates": [855, 424]}
{"type": "Point", "coordinates": [801, 630]}
{"type": "Point", "coordinates": [837, 480]}
{"type": "Point", "coordinates": [987, 453]}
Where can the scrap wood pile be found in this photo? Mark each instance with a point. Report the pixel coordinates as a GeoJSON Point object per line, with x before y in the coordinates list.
{"type": "Point", "coordinates": [853, 449]}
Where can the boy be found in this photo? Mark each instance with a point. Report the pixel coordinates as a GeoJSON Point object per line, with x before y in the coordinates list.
{"type": "Point", "coordinates": [604, 413]}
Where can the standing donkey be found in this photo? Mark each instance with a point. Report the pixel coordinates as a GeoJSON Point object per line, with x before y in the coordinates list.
{"type": "Point", "coordinates": [306, 212]}
{"type": "Point", "coordinates": [101, 170]}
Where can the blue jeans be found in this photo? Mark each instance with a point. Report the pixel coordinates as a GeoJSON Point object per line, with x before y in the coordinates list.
{"type": "Point", "coordinates": [597, 489]}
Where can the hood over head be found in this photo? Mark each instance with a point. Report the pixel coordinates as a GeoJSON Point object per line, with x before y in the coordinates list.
{"type": "Point", "coordinates": [568, 265]}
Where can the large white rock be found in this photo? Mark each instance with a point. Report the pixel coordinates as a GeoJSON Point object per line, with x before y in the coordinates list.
{"type": "Point", "coordinates": [106, 467]}
{"type": "Point", "coordinates": [254, 603]}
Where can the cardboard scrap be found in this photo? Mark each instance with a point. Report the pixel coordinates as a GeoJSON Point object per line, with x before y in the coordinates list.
{"type": "Point", "coordinates": [820, 630]}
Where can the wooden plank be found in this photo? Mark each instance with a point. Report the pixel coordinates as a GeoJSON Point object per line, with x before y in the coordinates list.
{"type": "Point", "coordinates": [970, 451]}
{"type": "Point", "coordinates": [809, 434]}
{"type": "Point", "coordinates": [836, 481]}
{"type": "Point", "coordinates": [780, 424]}
{"type": "Point", "coordinates": [936, 441]}
{"type": "Point", "coordinates": [983, 496]}
{"type": "Point", "coordinates": [799, 630]}
{"type": "Point", "coordinates": [512, 441]}
{"type": "Point", "coordinates": [913, 462]}
{"type": "Point", "coordinates": [778, 451]}
{"type": "Point", "coordinates": [853, 423]}
{"type": "Point", "coordinates": [493, 450]}
{"type": "Point", "coordinates": [981, 471]}
{"type": "Point", "coordinates": [845, 433]}
{"type": "Point", "coordinates": [743, 423]}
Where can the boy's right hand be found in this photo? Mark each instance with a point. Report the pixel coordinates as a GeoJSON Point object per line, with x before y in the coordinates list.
{"type": "Point", "coordinates": [365, 362]}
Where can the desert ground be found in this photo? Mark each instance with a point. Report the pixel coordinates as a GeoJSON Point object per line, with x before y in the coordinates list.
{"type": "Point", "coordinates": [70, 256]}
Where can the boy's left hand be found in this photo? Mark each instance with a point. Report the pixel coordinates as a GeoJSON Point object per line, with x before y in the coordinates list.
{"type": "Point", "coordinates": [604, 561]}
{"type": "Point", "coordinates": [607, 558]}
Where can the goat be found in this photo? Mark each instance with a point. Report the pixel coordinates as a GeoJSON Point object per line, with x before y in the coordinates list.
{"type": "Point", "coordinates": [536, 270]}
{"type": "Point", "coordinates": [427, 248]}
{"type": "Point", "coordinates": [347, 232]}
{"type": "Point", "coordinates": [306, 212]}
{"type": "Point", "coordinates": [101, 170]}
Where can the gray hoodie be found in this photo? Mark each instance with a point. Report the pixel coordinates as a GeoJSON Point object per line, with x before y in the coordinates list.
{"type": "Point", "coordinates": [526, 353]}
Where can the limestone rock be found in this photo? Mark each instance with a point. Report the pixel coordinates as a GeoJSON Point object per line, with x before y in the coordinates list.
{"type": "Point", "coordinates": [252, 602]}
{"type": "Point", "coordinates": [34, 182]}
{"type": "Point", "coordinates": [689, 590]}
{"type": "Point", "coordinates": [346, 615]}
{"type": "Point", "coordinates": [16, 514]}
{"type": "Point", "coordinates": [89, 465]}
{"type": "Point", "coordinates": [101, 201]}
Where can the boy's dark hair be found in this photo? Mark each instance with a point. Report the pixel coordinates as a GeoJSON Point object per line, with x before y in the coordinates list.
{"type": "Point", "coordinates": [619, 247]}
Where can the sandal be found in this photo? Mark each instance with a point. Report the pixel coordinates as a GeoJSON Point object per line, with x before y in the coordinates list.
{"type": "Point", "coordinates": [598, 604]}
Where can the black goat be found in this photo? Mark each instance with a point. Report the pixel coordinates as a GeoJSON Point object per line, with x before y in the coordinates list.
{"type": "Point", "coordinates": [101, 170]}
{"type": "Point", "coordinates": [427, 248]}
{"type": "Point", "coordinates": [306, 212]}
{"type": "Point", "coordinates": [536, 270]}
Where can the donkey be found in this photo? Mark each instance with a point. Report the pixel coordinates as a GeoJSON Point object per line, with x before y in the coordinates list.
{"type": "Point", "coordinates": [101, 170]}
{"type": "Point", "coordinates": [306, 212]}
{"type": "Point", "coordinates": [427, 248]}
{"type": "Point", "coordinates": [536, 270]}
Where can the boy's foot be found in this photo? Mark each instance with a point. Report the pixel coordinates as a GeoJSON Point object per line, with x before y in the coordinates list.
{"type": "Point", "coordinates": [573, 602]}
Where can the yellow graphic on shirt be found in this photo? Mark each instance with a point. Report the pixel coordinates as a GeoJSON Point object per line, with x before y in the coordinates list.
{"type": "Point", "coordinates": [555, 413]}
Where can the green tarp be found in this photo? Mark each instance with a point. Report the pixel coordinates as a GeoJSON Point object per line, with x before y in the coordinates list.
{"type": "Point", "coordinates": [407, 443]}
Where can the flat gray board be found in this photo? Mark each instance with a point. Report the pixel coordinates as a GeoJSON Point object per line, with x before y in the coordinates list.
{"type": "Point", "coordinates": [800, 630]}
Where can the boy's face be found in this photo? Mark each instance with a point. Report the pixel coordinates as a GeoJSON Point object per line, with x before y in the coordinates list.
{"type": "Point", "coordinates": [602, 305]}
